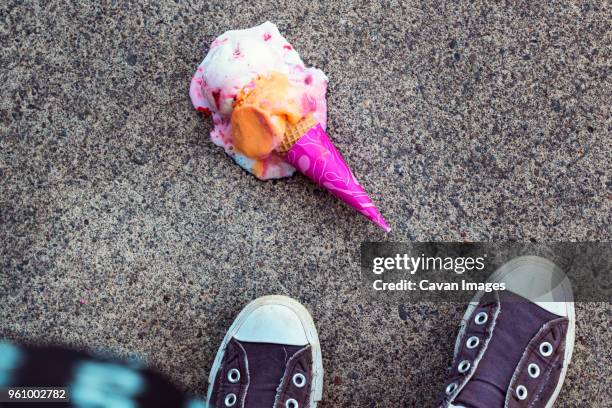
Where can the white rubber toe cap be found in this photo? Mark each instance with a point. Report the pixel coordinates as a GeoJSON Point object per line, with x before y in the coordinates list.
{"type": "Point", "coordinates": [272, 323]}
{"type": "Point", "coordinates": [538, 280]}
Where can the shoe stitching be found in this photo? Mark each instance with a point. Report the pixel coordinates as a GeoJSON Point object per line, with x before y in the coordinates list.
{"type": "Point", "coordinates": [541, 388]}
{"type": "Point", "coordinates": [528, 351]}
{"type": "Point", "coordinates": [279, 389]}
{"type": "Point", "coordinates": [246, 363]}
{"type": "Point", "coordinates": [480, 355]}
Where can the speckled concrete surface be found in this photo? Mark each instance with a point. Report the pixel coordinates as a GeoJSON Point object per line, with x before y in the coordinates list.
{"type": "Point", "coordinates": [465, 121]}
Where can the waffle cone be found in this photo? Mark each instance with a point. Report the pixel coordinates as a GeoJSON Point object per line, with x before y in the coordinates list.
{"type": "Point", "coordinates": [294, 132]}
{"type": "Point", "coordinates": [308, 148]}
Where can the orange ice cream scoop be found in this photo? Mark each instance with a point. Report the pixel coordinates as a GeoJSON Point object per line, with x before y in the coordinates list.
{"type": "Point", "coordinates": [261, 113]}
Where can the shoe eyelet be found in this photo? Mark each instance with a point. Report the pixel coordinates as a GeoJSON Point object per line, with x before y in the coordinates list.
{"type": "Point", "coordinates": [450, 388]}
{"type": "Point", "coordinates": [533, 370]}
{"type": "Point", "coordinates": [521, 392]}
{"type": "Point", "coordinates": [546, 349]}
{"type": "Point", "coordinates": [472, 342]}
{"type": "Point", "coordinates": [481, 318]}
{"type": "Point", "coordinates": [233, 376]}
{"type": "Point", "coordinates": [299, 380]}
{"type": "Point", "coordinates": [464, 366]}
{"type": "Point", "coordinates": [291, 403]}
{"type": "Point", "coordinates": [230, 400]}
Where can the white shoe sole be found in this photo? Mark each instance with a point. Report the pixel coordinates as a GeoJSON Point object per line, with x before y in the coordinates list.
{"type": "Point", "coordinates": [498, 276]}
{"type": "Point", "coordinates": [316, 392]}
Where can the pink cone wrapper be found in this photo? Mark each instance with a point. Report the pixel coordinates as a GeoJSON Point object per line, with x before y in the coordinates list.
{"type": "Point", "coordinates": [315, 156]}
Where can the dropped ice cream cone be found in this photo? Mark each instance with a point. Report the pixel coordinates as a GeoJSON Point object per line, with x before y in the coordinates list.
{"type": "Point", "coordinates": [255, 86]}
{"type": "Point", "coordinates": [308, 148]}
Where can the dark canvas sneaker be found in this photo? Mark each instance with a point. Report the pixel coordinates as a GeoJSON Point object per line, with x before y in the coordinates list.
{"type": "Point", "coordinates": [514, 346]}
{"type": "Point", "coordinates": [269, 358]}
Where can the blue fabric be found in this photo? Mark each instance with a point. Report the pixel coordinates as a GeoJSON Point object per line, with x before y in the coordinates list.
{"type": "Point", "coordinates": [92, 381]}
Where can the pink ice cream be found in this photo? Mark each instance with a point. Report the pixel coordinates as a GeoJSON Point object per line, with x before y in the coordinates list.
{"type": "Point", "coordinates": [269, 113]}
{"type": "Point", "coordinates": [234, 61]}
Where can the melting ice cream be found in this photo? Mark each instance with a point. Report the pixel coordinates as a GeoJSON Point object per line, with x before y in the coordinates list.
{"type": "Point", "coordinates": [253, 82]}
{"type": "Point", "coordinates": [269, 113]}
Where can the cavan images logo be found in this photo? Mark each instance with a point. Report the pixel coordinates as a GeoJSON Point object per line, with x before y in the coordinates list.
{"type": "Point", "coordinates": [437, 266]}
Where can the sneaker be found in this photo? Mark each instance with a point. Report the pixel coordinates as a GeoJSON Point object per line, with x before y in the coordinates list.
{"type": "Point", "coordinates": [269, 358]}
{"type": "Point", "coordinates": [514, 346]}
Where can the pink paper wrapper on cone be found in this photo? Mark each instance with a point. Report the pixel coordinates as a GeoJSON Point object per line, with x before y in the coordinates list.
{"type": "Point", "coordinates": [315, 156]}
